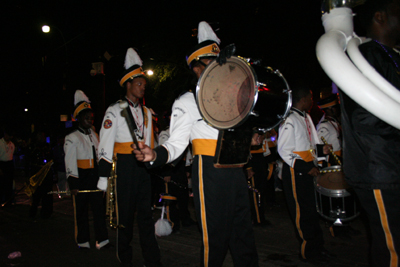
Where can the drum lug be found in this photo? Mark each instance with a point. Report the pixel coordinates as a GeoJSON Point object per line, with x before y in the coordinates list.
{"type": "Point", "coordinates": [338, 222]}
{"type": "Point", "coordinates": [254, 113]}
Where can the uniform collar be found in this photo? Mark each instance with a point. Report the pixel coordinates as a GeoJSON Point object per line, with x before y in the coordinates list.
{"type": "Point", "coordinates": [301, 113]}
{"type": "Point", "coordinates": [83, 131]}
{"type": "Point", "coordinates": [134, 105]}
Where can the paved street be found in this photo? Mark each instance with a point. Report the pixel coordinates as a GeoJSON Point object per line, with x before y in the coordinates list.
{"type": "Point", "coordinates": [50, 242]}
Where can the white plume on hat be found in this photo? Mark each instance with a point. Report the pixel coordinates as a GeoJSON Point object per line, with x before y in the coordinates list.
{"type": "Point", "coordinates": [80, 96]}
{"type": "Point", "coordinates": [205, 32]}
{"type": "Point", "coordinates": [132, 58]}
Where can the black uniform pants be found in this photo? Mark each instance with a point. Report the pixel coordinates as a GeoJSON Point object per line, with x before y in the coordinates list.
{"type": "Point", "coordinates": [258, 182]}
{"type": "Point", "coordinates": [41, 197]}
{"type": "Point", "coordinates": [383, 211]}
{"type": "Point", "coordinates": [178, 209]}
{"type": "Point", "coordinates": [6, 180]}
{"type": "Point", "coordinates": [134, 195]}
{"type": "Point", "coordinates": [223, 211]}
{"type": "Point", "coordinates": [88, 181]}
{"type": "Point", "coordinates": [300, 197]}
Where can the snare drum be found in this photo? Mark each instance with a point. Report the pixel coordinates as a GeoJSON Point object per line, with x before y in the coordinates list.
{"type": "Point", "coordinates": [334, 198]}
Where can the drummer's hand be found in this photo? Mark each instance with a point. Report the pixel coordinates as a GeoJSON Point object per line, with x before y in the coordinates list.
{"type": "Point", "coordinates": [250, 173]}
{"type": "Point", "coordinates": [225, 53]}
{"type": "Point", "coordinates": [145, 154]}
{"type": "Point", "coordinates": [255, 140]}
{"type": "Point", "coordinates": [74, 192]}
{"type": "Point", "coordinates": [314, 172]}
{"type": "Point", "coordinates": [327, 149]}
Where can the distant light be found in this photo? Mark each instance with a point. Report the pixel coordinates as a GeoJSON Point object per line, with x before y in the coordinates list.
{"type": "Point", "coordinates": [150, 72]}
{"type": "Point", "coordinates": [46, 28]}
{"type": "Point", "coordinates": [26, 110]}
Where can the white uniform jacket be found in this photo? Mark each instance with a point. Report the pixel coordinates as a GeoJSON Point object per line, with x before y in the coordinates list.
{"type": "Point", "coordinates": [329, 128]}
{"type": "Point", "coordinates": [163, 136]}
{"type": "Point", "coordinates": [298, 140]}
{"type": "Point", "coordinates": [115, 136]}
{"type": "Point", "coordinates": [78, 151]}
{"type": "Point", "coordinates": [187, 126]}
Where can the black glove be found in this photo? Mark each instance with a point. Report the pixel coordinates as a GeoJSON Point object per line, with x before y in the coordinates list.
{"type": "Point", "coordinates": [225, 53]}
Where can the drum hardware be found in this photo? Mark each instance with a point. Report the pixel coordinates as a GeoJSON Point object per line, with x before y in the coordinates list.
{"type": "Point", "coordinates": [255, 191]}
{"type": "Point", "coordinates": [69, 192]}
{"type": "Point", "coordinates": [172, 182]}
{"type": "Point", "coordinates": [334, 199]}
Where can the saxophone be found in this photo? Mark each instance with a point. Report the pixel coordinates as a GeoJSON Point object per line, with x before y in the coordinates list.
{"type": "Point", "coordinates": [111, 205]}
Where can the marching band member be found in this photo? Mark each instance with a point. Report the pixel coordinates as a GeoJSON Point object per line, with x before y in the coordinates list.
{"type": "Point", "coordinates": [220, 194]}
{"type": "Point", "coordinates": [271, 156]}
{"type": "Point", "coordinates": [329, 125]}
{"type": "Point", "coordinates": [82, 173]}
{"type": "Point", "coordinates": [372, 147]}
{"type": "Point", "coordinates": [297, 144]}
{"type": "Point", "coordinates": [133, 184]}
{"type": "Point", "coordinates": [257, 172]}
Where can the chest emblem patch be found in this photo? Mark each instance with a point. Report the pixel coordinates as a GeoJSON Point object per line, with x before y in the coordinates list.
{"type": "Point", "coordinates": [107, 124]}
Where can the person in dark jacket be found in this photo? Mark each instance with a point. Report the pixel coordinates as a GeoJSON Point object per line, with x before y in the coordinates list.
{"type": "Point", "coordinates": [371, 146]}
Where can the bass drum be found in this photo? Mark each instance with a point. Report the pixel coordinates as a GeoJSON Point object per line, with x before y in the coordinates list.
{"type": "Point", "coordinates": [242, 91]}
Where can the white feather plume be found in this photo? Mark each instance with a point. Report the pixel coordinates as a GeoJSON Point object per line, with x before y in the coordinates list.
{"type": "Point", "coordinates": [132, 58]}
{"type": "Point", "coordinates": [205, 32]}
{"type": "Point", "coordinates": [80, 96]}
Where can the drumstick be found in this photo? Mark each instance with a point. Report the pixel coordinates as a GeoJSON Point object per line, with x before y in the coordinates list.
{"type": "Point", "coordinates": [330, 149]}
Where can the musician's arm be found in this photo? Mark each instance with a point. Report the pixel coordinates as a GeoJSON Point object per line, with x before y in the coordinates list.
{"type": "Point", "coordinates": [71, 163]}
{"type": "Point", "coordinates": [180, 128]}
{"type": "Point", "coordinates": [108, 134]}
{"type": "Point", "coordinates": [287, 146]}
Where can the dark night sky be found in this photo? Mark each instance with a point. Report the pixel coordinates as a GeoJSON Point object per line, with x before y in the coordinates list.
{"type": "Point", "coordinates": [281, 33]}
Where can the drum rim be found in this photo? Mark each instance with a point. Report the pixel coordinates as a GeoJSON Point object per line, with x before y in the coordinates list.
{"type": "Point", "coordinates": [289, 103]}
{"type": "Point", "coordinates": [211, 64]}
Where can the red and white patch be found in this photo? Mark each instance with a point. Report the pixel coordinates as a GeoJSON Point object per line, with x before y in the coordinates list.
{"type": "Point", "coordinates": [107, 124]}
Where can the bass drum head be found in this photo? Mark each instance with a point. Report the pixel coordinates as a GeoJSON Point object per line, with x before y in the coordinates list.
{"type": "Point", "coordinates": [226, 94]}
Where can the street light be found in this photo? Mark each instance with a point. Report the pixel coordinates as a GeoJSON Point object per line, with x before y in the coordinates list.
{"type": "Point", "coordinates": [47, 29]}
{"type": "Point", "coordinates": [149, 72]}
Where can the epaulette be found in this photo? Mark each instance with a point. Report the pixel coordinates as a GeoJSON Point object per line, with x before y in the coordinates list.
{"type": "Point", "coordinates": [113, 104]}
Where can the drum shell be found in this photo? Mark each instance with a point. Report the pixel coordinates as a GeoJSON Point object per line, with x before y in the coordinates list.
{"type": "Point", "coordinates": [335, 203]}
{"type": "Point", "coordinates": [274, 99]}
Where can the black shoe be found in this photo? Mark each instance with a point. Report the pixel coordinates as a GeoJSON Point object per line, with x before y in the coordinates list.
{"type": "Point", "coordinates": [317, 260]}
{"type": "Point", "coordinates": [328, 254]}
{"type": "Point", "coordinates": [188, 222]}
{"type": "Point", "coordinates": [262, 224]}
{"type": "Point", "coordinates": [176, 231]}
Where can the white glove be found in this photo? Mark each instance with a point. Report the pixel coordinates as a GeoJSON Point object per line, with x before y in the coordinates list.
{"type": "Point", "coordinates": [102, 183]}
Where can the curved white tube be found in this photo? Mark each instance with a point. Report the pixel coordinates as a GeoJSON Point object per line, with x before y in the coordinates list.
{"type": "Point", "coordinates": [369, 72]}
{"type": "Point", "coordinates": [344, 73]}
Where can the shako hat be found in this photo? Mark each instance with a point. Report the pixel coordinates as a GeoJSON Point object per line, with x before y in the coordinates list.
{"type": "Point", "coordinates": [81, 102]}
{"type": "Point", "coordinates": [329, 101]}
{"type": "Point", "coordinates": [133, 66]}
{"type": "Point", "coordinates": [208, 43]}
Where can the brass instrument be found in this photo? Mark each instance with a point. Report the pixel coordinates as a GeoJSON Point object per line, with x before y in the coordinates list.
{"type": "Point", "coordinates": [36, 180]}
{"type": "Point", "coordinates": [111, 205]}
